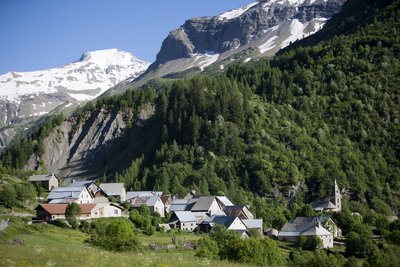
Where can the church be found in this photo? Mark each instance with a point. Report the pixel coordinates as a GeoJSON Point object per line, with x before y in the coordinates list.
{"type": "Point", "coordinates": [333, 203]}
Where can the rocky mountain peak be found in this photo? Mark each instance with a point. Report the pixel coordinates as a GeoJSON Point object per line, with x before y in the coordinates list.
{"type": "Point", "coordinates": [25, 95]}
{"type": "Point", "coordinates": [267, 25]}
{"type": "Point", "coordinates": [107, 57]}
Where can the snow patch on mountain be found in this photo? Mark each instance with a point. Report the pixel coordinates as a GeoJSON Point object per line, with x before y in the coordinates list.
{"type": "Point", "coordinates": [94, 73]}
{"type": "Point", "coordinates": [32, 94]}
{"type": "Point", "coordinates": [236, 12]}
{"type": "Point", "coordinates": [298, 30]}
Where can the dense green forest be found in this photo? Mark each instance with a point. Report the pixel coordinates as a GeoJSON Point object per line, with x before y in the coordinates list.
{"type": "Point", "coordinates": [274, 133]}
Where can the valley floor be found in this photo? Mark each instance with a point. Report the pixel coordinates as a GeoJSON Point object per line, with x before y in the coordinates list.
{"type": "Point", "coordinates": [48, 245]}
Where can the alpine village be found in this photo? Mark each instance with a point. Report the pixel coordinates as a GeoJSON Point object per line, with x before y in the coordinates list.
{"type": "Point", "coordinates": [268, 135]}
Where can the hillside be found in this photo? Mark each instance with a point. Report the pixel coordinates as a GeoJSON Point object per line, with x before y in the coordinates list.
{"type": "Point", "coordinates": [285, 127]}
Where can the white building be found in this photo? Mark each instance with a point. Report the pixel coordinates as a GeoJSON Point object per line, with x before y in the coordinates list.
{"type": "Point", "coordinates": [69, 194]}
{"type": "Point", "coordinates": [292, 230]}
{"type": "Point", "coordinates": [50, 212]}
{"type": "Point", "coordinates": [183, 220]}
{"type": "Point", "coordinates": [153, 202]}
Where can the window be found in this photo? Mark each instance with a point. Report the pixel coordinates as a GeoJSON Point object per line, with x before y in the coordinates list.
{"type": "Point", "coordinates": [115, 212]}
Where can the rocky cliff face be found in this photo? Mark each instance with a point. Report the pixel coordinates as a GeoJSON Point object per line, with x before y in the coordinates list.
{"type": "Point", "coordinates": [6, 135]}
{"type": "Point", "coordinates": [25, 96]}
{"type": "Point", "coordinates": [104, 142]}
{"type": "Point", "coordinates": [267, 25]}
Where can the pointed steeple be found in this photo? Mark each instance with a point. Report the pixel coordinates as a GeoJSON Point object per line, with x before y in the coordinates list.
{"type": "Point", "coordinates": [338, 198]}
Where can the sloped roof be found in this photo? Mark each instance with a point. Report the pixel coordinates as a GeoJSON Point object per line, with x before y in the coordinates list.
{"type": "Point", "coordinates": [165, 198]}
{"type": "Point", "coordinates": [203, 204]}
{"type": "Point", "coordinates": [132, 194]}
{"type": "Point", "coordinates": [185, 216]}
{"type": "Point", "coordinates": [316, 230]}
{"type": "Point", "coordinates": [144, 200]}
{"type": "Point", "coordinates": [153, 201]}
{"type": "Point", "coordinates": [312, 220]}
{"type": "Point", "coordinates": [84, 183]}
{"type": "Point", "coordinates": [304, 226]}
{"type": "Point", "coordinates": [201, 216]}
{"type": "Point", "coordinates": [224, 220]}
{"type": "Point", "coordinates": [224, 200]}
{"type": "Point", "coordinates": [60, 208]}
{"type": "Point", "coordinates": [112, 189]}
{"type": "Point", "coordinates": [65, 192]}
{"type": "Point", "coordinates": [178, 205]}
{"type": "Point", "coordinates": [253, 223]}
{"type": "Point", "coordinates": [40, 177]}
{"type": "Point", "coordinates": [233, 210]}
{"type": "Point", "coordinates": [322, 205]}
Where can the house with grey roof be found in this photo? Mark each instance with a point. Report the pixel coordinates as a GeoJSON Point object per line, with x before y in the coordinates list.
{"type": "Point", "coordinates": [241, 211]}
{"type": "Point", "coordinates": [325, 220]}
{"type": "Point", "coordinates": [116, 190]}
{"type": "Point", "coordinates": [61, 195]}
{"type": "Point", "coordinates": [207, 204]}
{"type": "Point", "coordinates": [178, 205]}
{"type": "Point", "coordinates": [98, 194]}
{"type": "Point", "coordinates": [89, 184]}
{"type": "Point", "coordinates": [229, 222]}
{"type": "Point", "coordinates": [309, 228]}
{"type": "Point", "coordinates": [153, 202]}
{"type": "Point", "coordinates": [254, 224]}
{"type": "Point", "coordinates": [183, 220]}
{"type": "Point", "coordinates": [132, 194]}
{"type": "Point", "coordinates": [224, 201]}
{"type": "Point", "coordinates": [47, 181]}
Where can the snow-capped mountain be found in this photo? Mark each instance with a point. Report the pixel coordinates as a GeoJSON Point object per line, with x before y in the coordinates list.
{"type": "Point", "coordinates": [31, 94]}
{"type": "Point", "coordinates": [265, 26]}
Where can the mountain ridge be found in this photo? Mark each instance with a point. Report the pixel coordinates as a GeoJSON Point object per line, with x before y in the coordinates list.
{"type": "Point", "coordinates": [259, 29]}
{"type": "Point", "coordinates": [32, 94]}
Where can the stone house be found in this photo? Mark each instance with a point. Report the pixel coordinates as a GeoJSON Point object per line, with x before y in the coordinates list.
{"type": "Point", "coordinates": [47, 181]}
{"type": "Point", "coordinates": [116, 190]}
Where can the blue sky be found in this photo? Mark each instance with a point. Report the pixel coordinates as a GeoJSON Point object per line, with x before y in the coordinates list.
{"type": "Point", "coordinates": [39, 34]}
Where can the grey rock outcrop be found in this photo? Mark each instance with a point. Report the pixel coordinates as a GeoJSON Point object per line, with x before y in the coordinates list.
{"type": "Point", "coordinates": [6, 135]}
{"type": "Point", "coordinates": [247, 27]}
{"type": "Point", "coordinates": [103, 142]}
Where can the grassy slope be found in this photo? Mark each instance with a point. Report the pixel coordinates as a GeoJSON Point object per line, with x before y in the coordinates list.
{"type": "Point", "coordinates": [48, 245]}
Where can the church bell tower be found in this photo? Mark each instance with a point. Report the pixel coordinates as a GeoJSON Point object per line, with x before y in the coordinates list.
{"type": "Point", "coordinates": [338, 198]}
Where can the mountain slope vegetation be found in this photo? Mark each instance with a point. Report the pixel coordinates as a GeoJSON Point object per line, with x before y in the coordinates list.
{"type": "Point", "coordinates": [276, 133]}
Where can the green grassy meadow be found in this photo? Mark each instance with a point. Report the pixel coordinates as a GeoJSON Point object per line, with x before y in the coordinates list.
{"type": "Point", "coordinates": [48, 245]}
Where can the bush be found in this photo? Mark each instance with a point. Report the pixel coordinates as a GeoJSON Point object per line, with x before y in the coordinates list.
{"type": "Point", "coordinates": [252, 250]}
{"type": "Point", "coordinates": [207, 248]}
{"type": "Point", "coordinates": [85, 226]}
{"type": "Point", "coordinates": [359, 245]}
{"type": "Point", "coordinates": [8, 196]}
{"type": "Point", "coordinates": [115, 235]}
{"type": "Point", "coordinates": [302, 241]}
{"type": "Point", "coordinates": [318, 258]}
{"type": "Point", "coordinates": [138, 220]}
{"type": "Point", "coordinates": [393, 237]}
{"type": "Point", "coordinates": [150, 230]}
